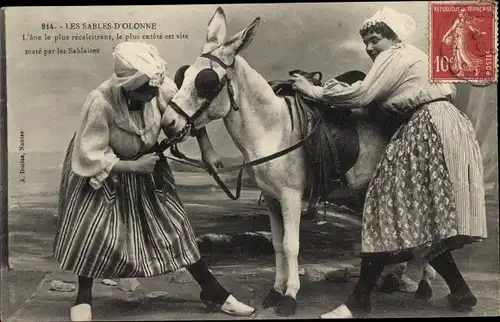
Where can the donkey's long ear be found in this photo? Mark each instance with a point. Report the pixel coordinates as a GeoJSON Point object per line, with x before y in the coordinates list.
{"type": "Point", "coordinates": [216, 31]}
{"type": "Point", "coordinates": [241, 40]}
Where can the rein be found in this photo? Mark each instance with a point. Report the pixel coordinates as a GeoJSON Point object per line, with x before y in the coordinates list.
{"type": "Point", "coordinates": [182, 158]}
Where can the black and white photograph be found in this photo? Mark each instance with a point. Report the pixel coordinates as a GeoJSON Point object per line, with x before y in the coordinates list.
{"type": "Point", "coordinates": [327, 160]}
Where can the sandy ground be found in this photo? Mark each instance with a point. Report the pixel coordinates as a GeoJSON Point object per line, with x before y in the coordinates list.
{"type": "Point", "coordinates": [249, 274]}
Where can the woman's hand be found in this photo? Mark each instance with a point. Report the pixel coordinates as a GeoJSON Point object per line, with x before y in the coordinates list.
{"type": "Point", "coordinates": [212, 160]}
{"type": "Point", "coordinates": [301, 84]}
{"type": "Point", "coordinates": [146, 163]}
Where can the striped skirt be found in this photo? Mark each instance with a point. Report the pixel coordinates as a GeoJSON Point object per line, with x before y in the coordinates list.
{"type": "Point", "coordinates": [125, 229]}
{"type": "Point", "coordinates": [427, 194]}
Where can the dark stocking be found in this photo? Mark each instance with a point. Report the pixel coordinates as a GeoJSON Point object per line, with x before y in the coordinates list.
{"type": "Point", "coordinates": [359, 300]}
{"type": "Point", "coordinates": [211, 290]}
{"type": "Point", "coordinates": [461, 295]}
{"type": "Point", "coordinates": [84, 290]}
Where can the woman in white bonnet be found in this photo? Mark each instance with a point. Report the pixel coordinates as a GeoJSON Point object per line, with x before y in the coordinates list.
{"type": "Point", "coordinates": [426, 197]}
{"type": "Point", "coordinates": [119, 212]}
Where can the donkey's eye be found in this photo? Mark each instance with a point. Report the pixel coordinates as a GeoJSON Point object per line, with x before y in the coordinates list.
{"type": "Point", "coordinates": [206, 82]}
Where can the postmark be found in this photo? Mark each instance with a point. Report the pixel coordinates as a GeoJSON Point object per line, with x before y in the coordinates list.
{"type": "Point", "coordinates": [463, 42]}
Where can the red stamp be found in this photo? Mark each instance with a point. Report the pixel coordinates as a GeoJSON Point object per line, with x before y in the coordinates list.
{"type": "Point", "coordinates": [463, 42]}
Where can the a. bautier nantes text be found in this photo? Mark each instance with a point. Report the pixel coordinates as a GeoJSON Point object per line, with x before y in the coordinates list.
{"type": "Point", "coordinates": [22, 159]}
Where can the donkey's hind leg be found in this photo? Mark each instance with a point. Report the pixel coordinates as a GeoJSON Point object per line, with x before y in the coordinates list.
{"type": "Point", "coordinates": [312, 209]}
{"type": "Point", "coordinates": [276, 219]}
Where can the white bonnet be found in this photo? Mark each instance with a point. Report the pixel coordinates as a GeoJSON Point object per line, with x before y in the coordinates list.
{"type": "Point", "coordinates": [402, 25]}
{"type": "Point", "coordinates": [137, 63]}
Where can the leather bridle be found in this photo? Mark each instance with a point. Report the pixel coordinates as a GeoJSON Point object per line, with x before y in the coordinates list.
{"type": "Point", "coordinates": [212, 95]}
{"type": "Point", "coordinates": [180, 157]}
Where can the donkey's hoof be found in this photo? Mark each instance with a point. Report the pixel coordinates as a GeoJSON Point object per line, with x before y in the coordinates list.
{"type": "Point", "coordinates": [424, 290]}
{"type": "Point", "coordinates": [287, 306]}
{"type": "Point", "coordinates": [390, 283]}
{"type": "Point", "coordinates": [272, 299]}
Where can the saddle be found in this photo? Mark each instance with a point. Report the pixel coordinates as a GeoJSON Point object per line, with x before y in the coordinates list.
{"type": "Point", "coordinates": [334, 146]}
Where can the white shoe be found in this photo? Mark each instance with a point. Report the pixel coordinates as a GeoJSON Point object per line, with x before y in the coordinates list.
{"type": "Point", "coordinates": [342, 312]}
{"type": "Point", "coordinates": [234, 307]}
{"type": "Point", "coordinates": [81, 312]}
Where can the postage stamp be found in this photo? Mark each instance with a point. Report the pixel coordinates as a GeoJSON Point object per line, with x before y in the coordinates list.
{"type": "Point", "coordinates": [463, 40]}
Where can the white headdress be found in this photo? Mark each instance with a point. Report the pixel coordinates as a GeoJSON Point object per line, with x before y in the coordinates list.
{"type": "Point", "coordinates": [137, 63]}
{"type": "Point", "coordinates": [402, 25]}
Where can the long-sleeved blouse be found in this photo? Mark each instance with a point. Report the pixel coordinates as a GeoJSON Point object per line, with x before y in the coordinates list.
{"type": "Point", "coordinates": [108, 129]}
{"type": "Point", "coordinates": [398, 81]}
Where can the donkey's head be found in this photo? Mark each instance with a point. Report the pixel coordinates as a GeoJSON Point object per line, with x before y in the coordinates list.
{"type": "Point", "coordinates": [198, 98]}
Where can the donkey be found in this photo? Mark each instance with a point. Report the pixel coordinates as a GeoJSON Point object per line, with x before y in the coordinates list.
{"type": "Point", "coordinates": [259, 123]}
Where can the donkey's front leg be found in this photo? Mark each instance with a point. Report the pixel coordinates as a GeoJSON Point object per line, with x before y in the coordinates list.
{"type": "Point", "coordinates": [276, 219]}
{"type": "Point", "coordinates": [291, 209]}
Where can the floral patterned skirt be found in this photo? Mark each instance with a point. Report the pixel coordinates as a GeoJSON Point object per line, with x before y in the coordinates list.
{"type": "Point", "coordinates": [427, 194]}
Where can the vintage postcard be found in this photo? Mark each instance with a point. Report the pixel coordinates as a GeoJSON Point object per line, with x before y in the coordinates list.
{"type": "Point", "coordinates": [249, 161]}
